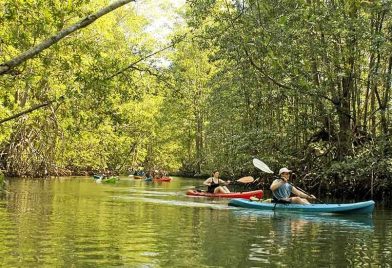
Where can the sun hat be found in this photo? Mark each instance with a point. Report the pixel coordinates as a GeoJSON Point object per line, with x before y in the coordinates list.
{"type": "Point", "coordinates": [284, 170]}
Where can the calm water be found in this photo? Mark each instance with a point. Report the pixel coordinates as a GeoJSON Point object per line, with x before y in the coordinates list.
{"type": "Point", "coordinates": [74, 222]}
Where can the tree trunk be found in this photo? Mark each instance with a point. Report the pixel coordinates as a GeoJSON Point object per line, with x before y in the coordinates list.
{"type": "Point", "coordinates": [344, 118]}
{"type": "Point", "coordinates": [387, 93]}
{"type": "Point", "coordinates": [199, 141]}
{"type": "Point", "coordinates": [347, 86]}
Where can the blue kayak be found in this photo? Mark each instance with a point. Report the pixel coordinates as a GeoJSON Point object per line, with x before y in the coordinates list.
{"type": "Point", "coordinates": [347, 208]}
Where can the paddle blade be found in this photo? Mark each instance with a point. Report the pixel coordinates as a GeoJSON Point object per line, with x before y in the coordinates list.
{"type": "Point", "coordinates": [261, 165]}
{"type": "Point", "coordinates": [247, 179]}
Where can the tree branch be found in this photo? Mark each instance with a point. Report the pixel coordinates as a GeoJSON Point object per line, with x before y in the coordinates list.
{"type": "Point", "coordinates": [9, 65]}
{"type": "Point", "coordinates": [273, 80]}
{"type": "Point", "coordinates": [36, 107]}
{"type": "Point", "coordinates": [133, 64]}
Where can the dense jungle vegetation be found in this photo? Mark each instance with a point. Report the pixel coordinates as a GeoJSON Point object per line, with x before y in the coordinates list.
{"type": "Point", "coordinates": [304, 84]}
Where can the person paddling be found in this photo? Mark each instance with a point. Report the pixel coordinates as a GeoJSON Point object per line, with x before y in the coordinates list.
{"type": "Point", "coordinates": [214, 182]}
{"type": "Point", "coordinates": [282, 189]}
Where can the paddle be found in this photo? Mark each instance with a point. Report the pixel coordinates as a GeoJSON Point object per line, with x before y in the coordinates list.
{"type": "Point", "coordinates": [263, 167]}
{"type": "Point", "coordinates": [247, 179]}
{"type": "Point", "coordinates": [244, 181]}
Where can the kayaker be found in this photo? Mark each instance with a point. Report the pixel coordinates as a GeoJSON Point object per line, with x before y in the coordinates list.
{"type": "Point", "coordinates": [156, 174]}
{"type": "Point", "coordinates": [214, 184]}
{"type": "Point", "coordinates": [282, 189]}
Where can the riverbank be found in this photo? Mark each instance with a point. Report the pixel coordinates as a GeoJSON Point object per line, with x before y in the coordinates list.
{"type": "Point", "coordinates": [323, 188]}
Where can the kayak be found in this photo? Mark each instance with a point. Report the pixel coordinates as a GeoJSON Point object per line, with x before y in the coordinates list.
{"type": "Point", "coordinates": [110, 180]}
{"type": "Point", "coordinates": [163, 179]}
{"type": "Point", "coordinates": [347, 208]}
{"type": "Point", "coordinates": [138, 177]}
{"type": "Point", "coordinates": [247, 195]}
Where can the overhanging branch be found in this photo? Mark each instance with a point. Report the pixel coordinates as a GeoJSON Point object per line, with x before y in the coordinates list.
{"type": "Point", "coordinates": [36, 107]}
{"type": "Point", "coordinates": [9, 65]}
{"type": "Point", "coordinates": [133, 64]}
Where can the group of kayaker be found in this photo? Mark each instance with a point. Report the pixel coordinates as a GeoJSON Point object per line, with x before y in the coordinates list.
{"type": "Point", "coordinates": [281, 188]}
{"type": "Point", "coordinates": [151, 174]}
{"type": "Point", "coordinates": [156, 174]}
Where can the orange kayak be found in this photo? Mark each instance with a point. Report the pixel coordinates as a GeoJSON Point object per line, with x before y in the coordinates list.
{"type": "Point", "coordinates": [246, 195]}
{"type": "Point", "coordinates": [164, 179]}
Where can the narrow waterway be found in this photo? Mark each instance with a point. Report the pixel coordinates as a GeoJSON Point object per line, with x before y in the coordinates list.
{"type": "Point", "coordinates": [74, 222]}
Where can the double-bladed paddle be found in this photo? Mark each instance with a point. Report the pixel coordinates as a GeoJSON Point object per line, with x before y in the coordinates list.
{"type": "Point", "coordinates": [262, 166]}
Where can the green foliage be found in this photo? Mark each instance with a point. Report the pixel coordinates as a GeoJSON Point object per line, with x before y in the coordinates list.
{"type": "Point", "coordinates": [105, 121]}
{"type": "Point", "coordinates": [2, 183]}
{"type": "Point", "coordinates": [295, 86]}
{"type": "Point", "coordinates": [304, 84]}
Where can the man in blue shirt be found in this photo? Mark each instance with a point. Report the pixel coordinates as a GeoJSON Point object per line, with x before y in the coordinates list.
{"type": "Point", "coordinates": [282, 189]}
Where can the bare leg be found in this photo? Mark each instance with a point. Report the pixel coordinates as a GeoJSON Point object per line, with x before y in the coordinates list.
{"type": "Point", "coordinates": [220, 190]}
{"type": "Point", "coordinates": [299, 200]}
{"type": "Point", "coordinates": [226, 189]}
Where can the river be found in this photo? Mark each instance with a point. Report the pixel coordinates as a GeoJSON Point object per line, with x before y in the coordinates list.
{"type": "Point", "coordinates": [75, 222]}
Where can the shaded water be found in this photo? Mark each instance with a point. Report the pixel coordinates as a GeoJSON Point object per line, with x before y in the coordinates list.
{"type": "Point", "coordinates": [74, 222]}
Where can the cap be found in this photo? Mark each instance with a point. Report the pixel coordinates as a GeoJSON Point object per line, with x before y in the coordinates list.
{"type": "Point", "coordinates": [284, 170]}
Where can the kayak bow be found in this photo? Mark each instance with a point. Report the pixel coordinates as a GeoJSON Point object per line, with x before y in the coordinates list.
{"type": "Point", "coordinates": [163, 179]}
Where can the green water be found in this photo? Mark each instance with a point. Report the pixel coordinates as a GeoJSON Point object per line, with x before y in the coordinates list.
{"type": "Point", "coordinates": [74, 222]}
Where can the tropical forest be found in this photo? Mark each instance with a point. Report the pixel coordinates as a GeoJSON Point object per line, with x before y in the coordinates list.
{"type": "Point", "coordinates": [195, 133]}
{"type": "Point", "coordinates": [304, 84]}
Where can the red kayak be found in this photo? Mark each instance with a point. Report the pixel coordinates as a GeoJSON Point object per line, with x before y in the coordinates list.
{"type": "Point", "coordinates": [163, 179]}
{"type": "Point", "coordinates": [246, 195]}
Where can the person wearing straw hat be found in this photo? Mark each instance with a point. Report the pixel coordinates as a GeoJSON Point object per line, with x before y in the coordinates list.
{"type": "Point", "coordinates": [282, 189]}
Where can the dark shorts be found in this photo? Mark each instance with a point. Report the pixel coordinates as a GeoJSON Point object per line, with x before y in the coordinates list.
{"type": "Point", "coordinates": [281, 201]}
{"type": "Point", "coordinates": [211, 189]}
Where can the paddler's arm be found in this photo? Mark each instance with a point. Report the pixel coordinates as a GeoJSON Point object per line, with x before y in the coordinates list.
{"type": "Point", "coordinates": [276, 184]}
{"type": "Point", "coordinates": [207, 182]}
{"type": "Point", "coordinates": [223, 182]}
{"type": "Point", "coordinates": [301, 194]}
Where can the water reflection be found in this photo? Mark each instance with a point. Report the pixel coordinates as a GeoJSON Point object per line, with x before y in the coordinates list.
{"type": "Point", "coordinates": [75, 222]}
{"type": "Point", "coordinates": [300, 237]}
{"type": "Point", "coordinates": [301, 219]}
{"type": "Point", "coordinates": [176, 202]}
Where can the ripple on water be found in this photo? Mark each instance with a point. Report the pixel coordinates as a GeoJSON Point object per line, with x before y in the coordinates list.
{"type": "Point", "coordinates": [77, 223]}
{"type": "Point", "coordinates": [174, 202]}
